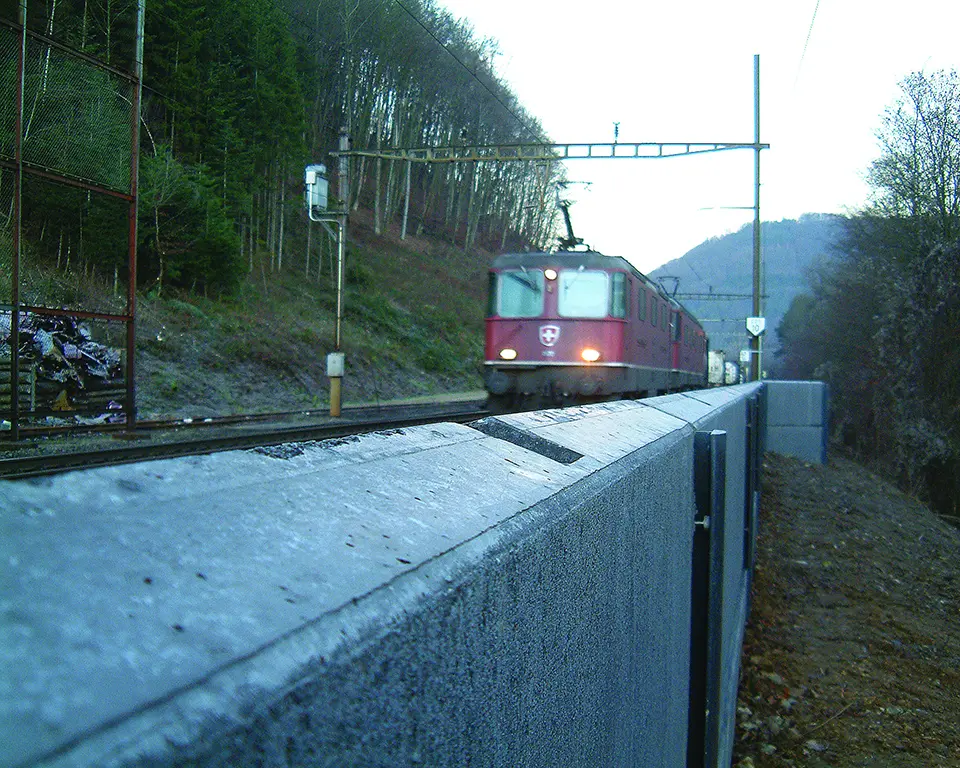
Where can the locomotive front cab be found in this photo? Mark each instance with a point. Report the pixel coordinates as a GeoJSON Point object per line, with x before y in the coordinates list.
{"type": "Point", "coordinates": [549, 327]}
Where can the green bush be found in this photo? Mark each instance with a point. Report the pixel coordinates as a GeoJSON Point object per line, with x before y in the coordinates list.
{"type": "Point", "coordinates": [187, 240]}
{"type": "Point", "coordinates": [360, 276]}
{"type": "Point", "coordinates": [440, 358]}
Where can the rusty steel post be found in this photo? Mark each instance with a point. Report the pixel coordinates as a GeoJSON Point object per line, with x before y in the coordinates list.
{"type": "Point", "coordinates": [131, 395]}
{"type": "Point", "coordinates": [17, 214]}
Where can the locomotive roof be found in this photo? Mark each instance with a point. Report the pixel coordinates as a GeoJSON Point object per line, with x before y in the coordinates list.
{"type": "Point", "coordinates": [563, 259]}
{"type": "Point", "coordinates": [585, 258]}
{"type": "Point", "coordinates": [569, 259]}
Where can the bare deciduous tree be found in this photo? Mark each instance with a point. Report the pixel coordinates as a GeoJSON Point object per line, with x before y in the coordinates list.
{"type": "Point", "coordinates": [883, 323]}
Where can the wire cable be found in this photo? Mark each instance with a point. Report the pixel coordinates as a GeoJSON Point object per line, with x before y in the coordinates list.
{"type": "Point", "coordinates": [806, 43]}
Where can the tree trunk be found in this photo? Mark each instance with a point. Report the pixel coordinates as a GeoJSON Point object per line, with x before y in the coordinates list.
{"type": "Point", "coordinates": [390, 195]}
{"type": "Point", "coordinates": [173, 107]}
{"type": "Point", "coordinates": [281, 215]}
{"type": "Point", "coordinates": [255, 230]}
{"type": "Point", "coordinates": [41, 90]}
{"type": "Point", "coordinates": [471, 208]}
{"type": "Point", "coordinates": [109, 30]}
{"type": "Point", "coordinates": [431, 180]}
{"type": "Point", "coordinates": [269, 211]}
{"type": "Point", "coordinates": [406, 204]}
{"type": "Point", "coordinates": [377, 227]}
{"type": "Point", "coordinates": [355, 192]}
{"type": "Point", "coordinates": [450, 209]}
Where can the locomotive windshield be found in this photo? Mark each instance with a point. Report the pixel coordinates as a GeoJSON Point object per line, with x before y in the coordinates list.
{"type": "Point", "coordinates": [520, 293]}
{"type": "Point", "coordinates": [583, 293]}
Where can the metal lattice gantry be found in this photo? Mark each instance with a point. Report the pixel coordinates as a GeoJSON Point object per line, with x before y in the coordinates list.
{"type": "Point", "coordinates": [558, 152]}
{"type": "Point", "coordinates": [716, 296]}
{"type": "Point", "coordinates": [649, 150]}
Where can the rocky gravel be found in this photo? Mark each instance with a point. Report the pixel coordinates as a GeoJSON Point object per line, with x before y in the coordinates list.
{"type": "Point", "coordinates": [852, 653]}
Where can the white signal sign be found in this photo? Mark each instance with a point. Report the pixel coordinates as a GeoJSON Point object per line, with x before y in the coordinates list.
{"type": "Point", "coordinates": [756, 325]}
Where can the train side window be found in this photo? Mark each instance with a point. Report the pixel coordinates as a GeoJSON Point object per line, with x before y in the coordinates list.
{"type": "Point", "coordinates": [641, 305]}
{"type": "Point", "coordinates": [663, 316]}
{"type": "Point", "coordinates": [653, 312]}
{"type": "Point", "coordinates": [618, 295]}
{"type": "Point", "coordinates": [492, 294]}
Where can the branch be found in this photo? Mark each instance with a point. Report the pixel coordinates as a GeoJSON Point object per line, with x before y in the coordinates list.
{"type": "Point", "coordinates": [833, 717]}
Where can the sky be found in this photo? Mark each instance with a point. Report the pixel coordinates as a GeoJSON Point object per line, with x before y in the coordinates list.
{"type": "Point", "coordinates": [683, 72]}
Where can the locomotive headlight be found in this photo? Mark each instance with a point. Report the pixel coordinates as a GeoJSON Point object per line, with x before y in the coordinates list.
{"type": "Point", "coordinates": [550, 274]}
{"type": "Point", "coordinates": [590, 355]}
{"type": "Point", "coordinates": [508, 354]}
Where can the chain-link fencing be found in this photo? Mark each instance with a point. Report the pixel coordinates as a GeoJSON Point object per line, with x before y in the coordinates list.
{"type": "Point", "coordinates": [69, 114]}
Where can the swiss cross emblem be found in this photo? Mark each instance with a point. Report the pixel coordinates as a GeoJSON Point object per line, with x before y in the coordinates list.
{"type": "Point", "coordinates": [549, 335]}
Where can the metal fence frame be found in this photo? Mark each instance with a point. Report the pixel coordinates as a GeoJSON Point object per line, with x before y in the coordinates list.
{"type": "Point", "coordinates": [19, 165]}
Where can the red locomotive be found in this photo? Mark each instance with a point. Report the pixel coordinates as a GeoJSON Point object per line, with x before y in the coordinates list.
{"type": "Point", "coordinates": [575, 325]}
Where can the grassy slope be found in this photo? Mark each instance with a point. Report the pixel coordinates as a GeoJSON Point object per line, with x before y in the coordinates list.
{"type": "Point", "coordinates": [413, 325]}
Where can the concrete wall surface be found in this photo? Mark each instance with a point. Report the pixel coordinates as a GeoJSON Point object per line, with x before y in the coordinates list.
{"type": "Point", "coordinates": [797, 419]}
{"type": "Point", "coordinates": [725, 409]}
{"type": "Point", "coordinates": [429, 596]}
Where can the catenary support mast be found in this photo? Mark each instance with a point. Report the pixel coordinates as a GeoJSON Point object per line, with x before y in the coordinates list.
{"type": "Point", "coordinates": [756, 344]}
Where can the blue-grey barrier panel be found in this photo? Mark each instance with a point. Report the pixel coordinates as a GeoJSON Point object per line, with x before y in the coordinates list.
{"type": "Point", "coordinates": [725, 409]}
{"type": "Point", "coordinates": [797, 419]}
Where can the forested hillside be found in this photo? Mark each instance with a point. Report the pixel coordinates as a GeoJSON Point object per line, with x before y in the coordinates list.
{"type": "Point", "coordinates": [237, 299]}
{"type": "Point", "coordinates": [253, 90]}
{"type": "Point", "coordinates": [238, 98]}
{"type": "Point", "coordinates": [881, 323]}
{"type": "Point", "coordinates": [724, 265]}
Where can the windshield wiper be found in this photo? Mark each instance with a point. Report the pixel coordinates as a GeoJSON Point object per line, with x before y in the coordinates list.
{"type": "Point", "coordinates": [567, 286]}
{"type": "Point", "coordinates": [525, 280]}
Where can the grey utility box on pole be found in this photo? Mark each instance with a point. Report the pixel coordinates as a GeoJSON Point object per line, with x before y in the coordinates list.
{"type": "Point", "coordinates": [317, 187]}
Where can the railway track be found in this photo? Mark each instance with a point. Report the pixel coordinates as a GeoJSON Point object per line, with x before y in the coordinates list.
{"type": "Point", "coordinates": [158, 440]}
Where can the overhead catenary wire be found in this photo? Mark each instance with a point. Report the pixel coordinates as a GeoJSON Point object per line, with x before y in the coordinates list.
{"type": "Point", "coordinates": [806, 43]}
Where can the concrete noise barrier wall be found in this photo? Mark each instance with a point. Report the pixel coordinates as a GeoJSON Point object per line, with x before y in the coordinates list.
{"type": "Point", "coordinates": [547, 588]}
{"type": "Point", "coordinates": [797, 419]}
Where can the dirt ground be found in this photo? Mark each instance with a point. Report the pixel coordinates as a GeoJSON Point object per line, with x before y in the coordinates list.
{"type": "Point", "coordinates": [852, 653]}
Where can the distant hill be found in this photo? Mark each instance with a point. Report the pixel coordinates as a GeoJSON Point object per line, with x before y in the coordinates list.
{"type": "Point", "coordinates": [790, 248]}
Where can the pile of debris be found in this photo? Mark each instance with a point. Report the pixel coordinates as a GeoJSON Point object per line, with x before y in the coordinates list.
{"type": "Point", "coordinates": [68, 369]}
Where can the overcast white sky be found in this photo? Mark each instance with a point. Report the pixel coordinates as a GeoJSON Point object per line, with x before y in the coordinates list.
{"type": "Point", "coordinates": [683, 71]}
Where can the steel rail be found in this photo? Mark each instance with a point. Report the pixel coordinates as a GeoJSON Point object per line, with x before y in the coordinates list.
{"type": "Point", "coordinates": [51, 464]}
{"type": "Point", "coordinates": [145, 426]}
